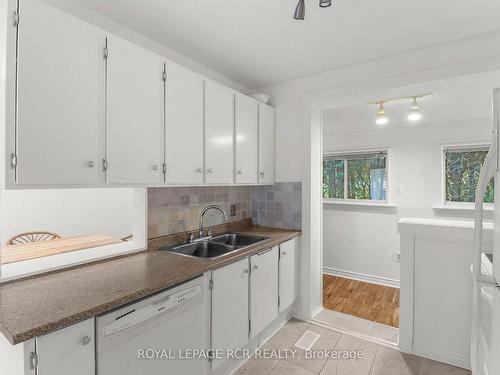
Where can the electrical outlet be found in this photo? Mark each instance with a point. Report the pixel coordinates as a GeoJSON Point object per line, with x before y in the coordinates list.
{"type": "Point", "coordinates": [233, 210]}
{"type": "Point", "coordinates": [397, 257]}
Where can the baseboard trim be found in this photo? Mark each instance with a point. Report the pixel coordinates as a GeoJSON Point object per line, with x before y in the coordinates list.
{"type": "Point", "coordinates": [441, 356]}
{"type": "Point", "coordinates": [299, 314]}
{"type": "Point", "coordinates": [361, 277]}
{"type": "Point", "coordinates": [316, 311]}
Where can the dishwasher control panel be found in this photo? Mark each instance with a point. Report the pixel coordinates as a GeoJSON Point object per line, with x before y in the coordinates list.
{"type": "Point", "coordinates": [162, 304]}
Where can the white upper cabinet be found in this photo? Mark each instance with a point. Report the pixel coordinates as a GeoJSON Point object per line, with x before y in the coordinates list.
{"type": "Point", "coordinates": [246, 132]}
{"type": "Point", "coordinates": [85, 108]}
{"type": "Point", "coordinates": [60, 98]}
{"type": "Point", "coordinates": [135, 118]}
{"type": "Point", "coordinates": [219, 128]}
{"type": "Point", "coordinates": [266, 144]}
{"type": "Point", "coordinates": [263, 290]}
{"type": "Point", "coordinates": [184, 135]}
{"type": "Point", "coordinates": [68, 351]}
{"type": "Point", "coordinates": [287, 274]}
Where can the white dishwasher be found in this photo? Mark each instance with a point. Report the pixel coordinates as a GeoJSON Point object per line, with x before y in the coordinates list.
{"type": "Point", "coordinates": [154, 336]}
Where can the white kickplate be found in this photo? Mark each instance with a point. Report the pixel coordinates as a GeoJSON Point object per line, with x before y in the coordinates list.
{"type": "Point", "coordinates": [307, 340]}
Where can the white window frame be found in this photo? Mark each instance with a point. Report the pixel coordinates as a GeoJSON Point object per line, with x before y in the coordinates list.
{"type": "Point", "coordinates": [459, 147]}
{"type": "Point", "coordinates": [374, 202]}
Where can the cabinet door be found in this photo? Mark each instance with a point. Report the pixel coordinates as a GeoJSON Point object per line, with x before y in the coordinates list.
{"type": "Point", "coordinates": [184, 135]}
{"type": "Point", "coordinates": [219, 121]}
{"type": "Point", "coordinates": [230, 307]}
{"type": "Point", "coordinates": [135, 124]}
{"type": "Point", "coordinates": [287, 274]}
{"type": "Point", "coordinates": [263, 290]}
{"type": "Point", "coordinates": [60, 98]}
{"type": "Point", "coordinates": [246, 131]}
{"type": "Point", "coordinates": [266, 144]}
{"type": "Point", "coordinates": [68, 351]}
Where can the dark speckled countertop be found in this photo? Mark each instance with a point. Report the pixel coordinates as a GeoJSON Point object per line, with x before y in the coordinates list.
{"type": "Point", "coordinates": [40, 305]}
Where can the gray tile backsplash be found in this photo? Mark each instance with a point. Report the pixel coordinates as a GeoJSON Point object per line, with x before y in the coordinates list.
{"type": "Point", "coordinates": [278, 205]}
{"type": "Point", "coordinates": [176, 209]}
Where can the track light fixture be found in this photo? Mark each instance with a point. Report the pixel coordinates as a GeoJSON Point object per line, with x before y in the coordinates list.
{"type": "Point", "coordinates": [300, 9]}
{"type": "Point", "coordinates": [415, 111]}
{"type": "Point", "coordinates": [381, 116]}
{"type": "Point", "coordinates": [414, 115]}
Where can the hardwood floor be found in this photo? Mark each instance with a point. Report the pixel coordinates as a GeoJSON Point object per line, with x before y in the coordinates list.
{"type": "Point", "coordinates": [368, 301]}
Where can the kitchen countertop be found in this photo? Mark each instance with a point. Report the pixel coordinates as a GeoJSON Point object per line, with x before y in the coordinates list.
{"type": "Point", "coordinates": [43, 304]}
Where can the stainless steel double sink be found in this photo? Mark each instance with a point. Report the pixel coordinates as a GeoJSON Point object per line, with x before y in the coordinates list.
{"type": "Point", "coordinates": [216, 247]}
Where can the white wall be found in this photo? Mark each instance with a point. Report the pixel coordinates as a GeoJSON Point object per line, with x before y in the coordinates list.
{"type": "Point", "coordinates": [469, 56]}
{"type": "Point", "coordinates": [363, 240]}
{"type": "Point", "coordinates": [299, 104]}
{"type": "Point", "coordinates": [67, 212]}
{"type": "Point", "coordinates": [360, 244]}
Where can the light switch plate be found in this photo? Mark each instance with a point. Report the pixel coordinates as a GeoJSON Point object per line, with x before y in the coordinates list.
{"type": "Point", "coordinates": [399, 190]}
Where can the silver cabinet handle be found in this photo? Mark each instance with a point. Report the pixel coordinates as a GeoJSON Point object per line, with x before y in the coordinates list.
{"type": "Point", "coordinates": [199, 170]}
{"type": "Point", "coordinates": [239, 172]}
{"type": "Point", "coordinates": [246, 271]}
{"type": "Point", "coordinates": [91, 164]}
{"type": "Point", "coordinates": [255, 267]}
{"type": "Point", "coordinates": [86, 340]}
{"type": "Point", "coordinates": [284, 253]}
{"type": "Point", "coordinates": [155, 167]}
{"type": "Point", "coordinates": [210, 170]}
{"type": "Point", "coordinates": [261, 174]}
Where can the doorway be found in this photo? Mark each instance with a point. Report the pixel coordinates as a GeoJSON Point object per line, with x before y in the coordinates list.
{"type": "Point", "coordinates": [371, 294]}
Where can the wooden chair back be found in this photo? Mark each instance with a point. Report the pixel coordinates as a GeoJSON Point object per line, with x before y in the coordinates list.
{"type": "Point", "coordinates": [29, 237]}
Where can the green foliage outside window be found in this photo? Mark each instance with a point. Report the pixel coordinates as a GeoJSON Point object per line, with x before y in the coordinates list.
{"type": "Point", "coordinates": [360, 179]}
{"type": "Point", "coordinates": [333, 179]}
{"type": "Point", "coordinates": [366, 177]}
{"type": "Point", "coordinates": [462, 169]}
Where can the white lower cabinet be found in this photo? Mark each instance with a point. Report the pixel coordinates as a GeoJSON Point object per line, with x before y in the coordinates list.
{"type": "Point", "coordinates": [68, 351]}
{"type": "Point", "coordinates": [245, 299]}
{"type": "Point", "coordinates": [263, 290]}
{"type": "Point", "coordinates": [287, 274]}
{"type": "Point", "coordinates": [229, 328]}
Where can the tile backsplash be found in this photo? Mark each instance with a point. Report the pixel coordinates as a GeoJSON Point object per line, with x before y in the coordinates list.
{"type": "Point", "coordinates": [278, 205]}
{"type": "Point", "coordinates": [177, 209]}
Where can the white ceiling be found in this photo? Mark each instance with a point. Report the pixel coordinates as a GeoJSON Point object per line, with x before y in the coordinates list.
{"type": "Point", "coordinates": [256, 42]}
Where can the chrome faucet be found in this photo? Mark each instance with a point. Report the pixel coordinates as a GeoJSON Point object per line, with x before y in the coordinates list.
{"type": "Point", "coordinates": [202, 215]}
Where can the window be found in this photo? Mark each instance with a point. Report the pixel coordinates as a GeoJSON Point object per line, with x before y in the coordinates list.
{"type": "Point", "coordinates": [462, 166]}
{"type": "Point", "coordinates": [355, 176]}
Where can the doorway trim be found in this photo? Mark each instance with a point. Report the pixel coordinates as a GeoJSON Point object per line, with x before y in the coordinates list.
{"type": "Point", "coordinates": [313, 105]}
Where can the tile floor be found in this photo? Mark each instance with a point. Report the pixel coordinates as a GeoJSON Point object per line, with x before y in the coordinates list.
{"type": "Point", "coordinates": [348, 323]}
{"type": "Point", "coordinates": [376, 360]}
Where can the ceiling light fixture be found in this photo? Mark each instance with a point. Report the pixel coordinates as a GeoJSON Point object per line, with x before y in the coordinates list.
{"type": "Point", "coordinates": [381, 116]}
{"type": "Point", "coordinates": [414, 115]}
{"type": "Point", "coordinates": [415, 111]}
{"type": "Point", "coordinates": [300, 11]}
